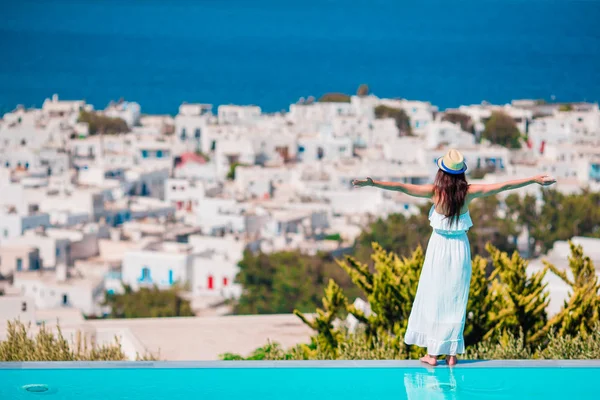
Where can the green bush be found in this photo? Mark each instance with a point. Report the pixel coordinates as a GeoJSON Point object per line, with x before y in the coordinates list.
{"type": "Point", "coordinates": [334, 98]}
{"type": "Point", "coordinates": [508, 347]}
{"type": "Point", "coordinates": [47, 346]}
{"type": "Point", "coordinates": [501, 129]}
{"type": "Point", "coordinates": [506, 317]}
{"type": "Point", "coordinates": [402, 119]}
{"type": "Point", "coordinates": [98, 123]}
{"type": "Point", "coordinates": [148, 303]}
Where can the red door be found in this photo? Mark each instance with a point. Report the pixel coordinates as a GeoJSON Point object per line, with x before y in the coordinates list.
{"type": "Point", "coordinates": [210, 282]}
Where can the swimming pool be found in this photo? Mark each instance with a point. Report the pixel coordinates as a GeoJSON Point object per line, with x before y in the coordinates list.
{"type": "Point", "coordinates": [267, 380]}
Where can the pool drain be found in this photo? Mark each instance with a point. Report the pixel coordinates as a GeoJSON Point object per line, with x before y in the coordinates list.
{"type": "Point", "coordinates": [36, 388]}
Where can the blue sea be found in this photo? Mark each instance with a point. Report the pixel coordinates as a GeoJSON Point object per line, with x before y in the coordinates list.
{"type": "Point", "coordinates": [272, 52]}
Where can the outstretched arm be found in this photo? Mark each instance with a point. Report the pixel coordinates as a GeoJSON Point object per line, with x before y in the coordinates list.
{"type": "Point", "coordinates": [483, 190]}
{"type": "Point", "coordinates": [410, 189]}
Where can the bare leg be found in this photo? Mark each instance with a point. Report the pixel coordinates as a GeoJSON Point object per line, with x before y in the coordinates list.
{"type": "Point", "coordinates": [451, 360]}
{"type": "Point", "coordinates": [428, 359]}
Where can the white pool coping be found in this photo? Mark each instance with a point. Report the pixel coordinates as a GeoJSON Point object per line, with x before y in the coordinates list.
{"type": "Point", "coordinates": [297, 364]}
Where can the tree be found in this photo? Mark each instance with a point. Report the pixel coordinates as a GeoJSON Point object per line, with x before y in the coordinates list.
{"type": "Point", "coordinates": [390, 290]}
{"type": "Point", "coordinates": [363, 90]}
{"type": "Point", "coordinates": [231, 173]}
{"type": "Point", "coordinates": [519, 299]}
{"type": "Point", "coordinates": [101, 124]}
{"type": "Point", "coordinates": [334, 303]}
{"type": "Point", "coordinates": [501, 129]}
{"type": "Point", "coordinates": [397, 233]}
{"type": "Point", "coordinates": [565, 216]}
{"type": "Point", "coordinates": [280, 282]}
{"type": "Point", "coordinates": [334, 98]}
{"type": "Point", "coordinates": [580, 314]}
{"type": "Point", "coordinates": [565, 107]}
{"type": "Point", "coordinates": [148, 303]}
{"type": "Point", "coordinates": [402, 119]}
{"type": "Point", "coordinates": [465, 122]}
{"type": "Point", "coordinates": [524, 212]}
{"type": "Point", "coordinates": [479, 305]}
{"type": "Point", "coordinates": [489, 227]}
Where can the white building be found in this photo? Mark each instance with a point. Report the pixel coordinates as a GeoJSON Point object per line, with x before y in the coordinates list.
{"type": "Point", "coordinates": [128, 111]}
{"type": "Point", "coordinates": [52, 289]}
{"type": "Point", "coordinates": [161, 264]}
{"type": "Point", "coordinates": [191, 123]}
{"type": "Point", "coordinates": [230, 114]}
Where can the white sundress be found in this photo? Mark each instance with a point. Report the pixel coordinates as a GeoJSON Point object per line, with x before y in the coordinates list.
{"type": "Point", "coordinates": [437, 318]}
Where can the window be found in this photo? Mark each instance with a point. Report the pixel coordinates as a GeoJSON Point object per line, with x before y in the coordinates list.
{"type": "Point", "coordinates": [225, 281]}
{"type": "Point", "coordinates": [65, 300]}
{"type": "Point", "coordinates": [144, 153]}
{"type": "Point", "coordinates": [210, 282]}
{"type": "Point", "coordinates": [145, 275]}
{"type": "Point", "coordinates": [183, 134]}
{"type": "Point", "coordinates": [213, 145]}
{"type": "Point", "coordinates": [23, 307]}
{"type": "Point", "coordinates": [159, 154]}
{"type": "Point", "coordinates": [57, 251]}
{"type": "Point", "coordinates": [197, 133]}
{"type": "Point", "coordinates": [19, 264]}
{"type": "Point", "coordinates": [300, 149]}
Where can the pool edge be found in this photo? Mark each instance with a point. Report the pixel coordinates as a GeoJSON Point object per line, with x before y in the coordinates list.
{"type": "Point", "coordinates": [296, 364]}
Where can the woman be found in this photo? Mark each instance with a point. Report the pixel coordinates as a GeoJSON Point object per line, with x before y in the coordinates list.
{"type": "Point", "coordinates": [437, 318]}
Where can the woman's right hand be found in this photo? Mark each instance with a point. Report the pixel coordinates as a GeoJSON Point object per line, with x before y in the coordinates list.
{"type": "Point", "coordinates": [544, 180]}
{"type": "Point", "coordinates": [362, 182]}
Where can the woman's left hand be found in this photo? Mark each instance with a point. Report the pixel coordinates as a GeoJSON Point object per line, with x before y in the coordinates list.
{"type": "Point", "coordinates": [362, 182]}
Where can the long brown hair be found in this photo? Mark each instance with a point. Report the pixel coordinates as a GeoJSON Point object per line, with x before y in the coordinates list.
{"type": "Point", "coordinates": [451, 193]}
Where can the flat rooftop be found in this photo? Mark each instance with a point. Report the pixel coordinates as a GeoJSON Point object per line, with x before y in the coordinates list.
{"type": "Point", "coordinates": [205, 338]}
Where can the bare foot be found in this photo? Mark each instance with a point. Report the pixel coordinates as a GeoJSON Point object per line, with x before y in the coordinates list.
{"type": "Point", "coordinates": [451, 360]}
{"type": "Point", "coordinates": [431, 360]}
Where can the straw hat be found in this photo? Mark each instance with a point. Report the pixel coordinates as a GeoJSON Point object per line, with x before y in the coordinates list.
{"type": "Point", "coordinates": [453, 162]}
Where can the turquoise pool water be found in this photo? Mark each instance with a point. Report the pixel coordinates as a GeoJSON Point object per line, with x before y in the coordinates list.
{"type": "Point", "coordinates": [350, 381]}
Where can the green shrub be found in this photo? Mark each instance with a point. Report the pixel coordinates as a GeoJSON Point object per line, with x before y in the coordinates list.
{"type": "Point", "coordinates": [148, 303]}
{"type": "Point", "coordinates": [359, 346]}
{"type": "Point", "coordinates": [402, 119]}
{"type": "Point", "coordinates": [581, 312]}
{"type": "Point", "coordinates": [506, 317]}
{"type": "Point", "coordinates": [334, 98]}
{"type": "Point", "coordinates": [98, 123]}
{"type": "Point", "coordinates": [47, 346]}
{"type": "Point", "coordinates": [501, 129]}
{"type": "Point", "coordinates": [580, 347]}
{"type": "Point", "coordinates": [506, 347]}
